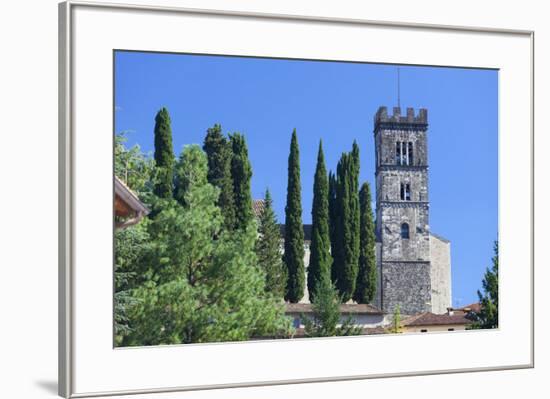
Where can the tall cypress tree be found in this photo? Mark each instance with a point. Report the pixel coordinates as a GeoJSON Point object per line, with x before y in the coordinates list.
{"type": "Point", "coordinates": [241, 173]}
{"type": "Point", "coordinates": [294, 233]}
{"type": "Point", "coordinates": [333, 220]}
{"type": "Point", "coordinates": [342, 235]}
{"type": "Point", "coordinates": [219, 155]}
{"type": "Point", "coordinates": [365, 289]}
{"type": "Point", "coordinates": [355, 212]}
{"type": "Point", "coordinates": [164, 154]}
{"type": "Point", "coordinates": [346, 230]}
{"type": "Point", "coordinates": [320, 260]}
{"type": "Point", "coordinates": [268, 250]}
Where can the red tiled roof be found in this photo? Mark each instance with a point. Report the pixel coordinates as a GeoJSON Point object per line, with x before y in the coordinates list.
{"type": "Point", "coordinates": [301, 333]}
{"type": "Point", "coordinates": [345, 308]}
{"type": "Point", "coordinates": [473, 307]}
{"type": "Point", "coordinates": [465, 310]}
{"type": "Point", "coordinates": [431, 319]}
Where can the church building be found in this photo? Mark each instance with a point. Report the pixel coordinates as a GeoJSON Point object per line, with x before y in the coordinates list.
{"type": "Point", "coordinates": [414, 264]}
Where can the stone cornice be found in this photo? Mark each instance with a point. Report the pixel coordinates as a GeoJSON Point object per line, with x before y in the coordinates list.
{"type": "Point", "coordinates": [406, 261]}
{"type": "Point", "coordinates": [404, 204]}
{"type": "Point", "coordinates": [405, 126]}
{"type": "Point", "coordinates": [404, 168]}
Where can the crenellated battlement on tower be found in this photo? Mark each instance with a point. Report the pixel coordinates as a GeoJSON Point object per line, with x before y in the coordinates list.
{"type": "Point", "coordinates": [382, 117]}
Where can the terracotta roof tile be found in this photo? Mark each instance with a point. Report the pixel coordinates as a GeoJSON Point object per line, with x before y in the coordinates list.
{"type": "Point", "coordinates": [431, 319]}
{"type": "Point", "coordinates": [345, 308]}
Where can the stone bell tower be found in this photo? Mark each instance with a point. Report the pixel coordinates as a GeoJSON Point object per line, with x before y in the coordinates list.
{"type": "Point", "coordinates": [402, 210]}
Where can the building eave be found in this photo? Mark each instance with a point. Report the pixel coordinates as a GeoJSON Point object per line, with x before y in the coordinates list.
{"type": "Point", "coordinates": [129, 197]}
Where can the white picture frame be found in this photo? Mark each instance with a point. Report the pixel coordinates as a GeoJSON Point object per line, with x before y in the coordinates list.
{"type": "Point", "coordinates": [89, 366]}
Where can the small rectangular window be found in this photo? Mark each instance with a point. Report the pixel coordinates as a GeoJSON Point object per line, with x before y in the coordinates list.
{"type": "Point", "coordinates": [407, 192]}
{"type": "Point", "coordinates": [410, 154]}
{"type": "Point", "coordinates": [450, 329]}
{"type": "Point", "coordinates": [402, 194]}
{"type": "Point", "coordinates": [423, 330]}
{"type": "Point", "coordinates": [398, 153]}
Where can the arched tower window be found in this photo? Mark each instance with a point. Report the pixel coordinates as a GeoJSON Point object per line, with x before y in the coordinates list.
{"type": "Point", "coordinates": [405, 231]}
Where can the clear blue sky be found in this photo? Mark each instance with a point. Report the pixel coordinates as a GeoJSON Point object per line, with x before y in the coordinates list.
{"type": "Point", "coordinates": [334, 101]}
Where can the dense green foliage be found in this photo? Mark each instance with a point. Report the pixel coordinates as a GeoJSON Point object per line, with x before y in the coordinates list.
{"type": "Point", "coordinates": [189, 172]}
{"type": "Point", "coordinates": [268, 250]}
{"type": "Point", "coordinates": [294, 233]}
{"type": "Point", "coordinates": [201, 289]}
{"type": "Point", "coordinates": [365, 289]}
{"type": "Point", "coordinates": [131, 246]}
{"type": "Point", "coordinates": [241, 173]}
{"type": "Point", "coordinates": [346, 224]}
{"type": "Point", "coordinates": [182, 276]}
{"type": "Point", "coordinates": [137, 171]}
{"type": "Point", "coordinates": [320, 260]}
{"type": "Point", "coordinates": [326, 313]}
{"type": "Point", "coordinates": [333, 216]}
{"type": "Point", "coordinates": [219, 153]}
{"type": "Point", "coordinates": [487, 317]}
{"type": "Point", "coordinates": [164, 154]}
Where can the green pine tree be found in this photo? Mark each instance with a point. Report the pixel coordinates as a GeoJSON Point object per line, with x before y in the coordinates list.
{"type": "Point", "coordinates": [268, 250]}
{"type": "Point", "coordinates": [241, 173]}
{"type": "Point", "coordinates": [201, 289]}
{"type": "Point", "coordinates": [320, 260]}
{"type": "Point", "coordinates": [365, 289]}
{"type": "Point", "coordinates": [487, 317]}
{"type": "Point", "coordinates": [294, 233]}
{"type": "Point", "coordinates": [164, 154]}
{"type": "Point", "coordinates": [190, 171]}
{"type": "Point", "coordinates": [219, 155]}
{"type": "Point", "coordinates": [326, 313]}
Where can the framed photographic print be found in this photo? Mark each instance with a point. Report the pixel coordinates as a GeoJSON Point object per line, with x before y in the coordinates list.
{"type": "Point", "coordinates": [255, 199]}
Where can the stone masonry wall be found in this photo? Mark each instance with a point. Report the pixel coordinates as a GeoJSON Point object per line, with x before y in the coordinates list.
{"type": "Point", "coordinates": [395, 248]}
{"type": "Point", "coordinates": [408, 285]}
{"type": "Point", "coordinates": [385, 142]}
{"type": "Point", "coordinates": [388, 184]}
{"type": "Point", "coordinates": [378, 297]}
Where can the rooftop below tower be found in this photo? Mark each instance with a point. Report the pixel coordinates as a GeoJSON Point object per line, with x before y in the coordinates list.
{"type": "Point", "coordinates": [382, 117]}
